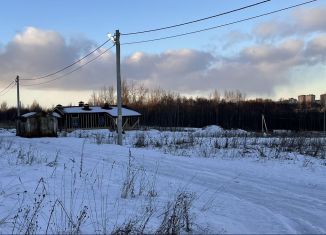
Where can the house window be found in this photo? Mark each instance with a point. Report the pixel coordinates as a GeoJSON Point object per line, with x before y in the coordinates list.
{"type": "Point", "coordinates": [101, 121]}
{"type": "Point", "coordinates": [75, 122]}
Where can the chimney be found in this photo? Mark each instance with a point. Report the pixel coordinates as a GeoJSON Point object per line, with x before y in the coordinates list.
{"type": "Point", "coordinates": [59, 106]}
{"type": "Point", "coordinates": [106, 106]}
{"type": "Point", "coordinates": [86, 107]}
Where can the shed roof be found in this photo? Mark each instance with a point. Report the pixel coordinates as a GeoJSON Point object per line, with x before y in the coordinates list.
{"type": "Point", "coordinates": [54, 114]}
{"type": "Point", "coordinates": [33, 114]}
{"type": "Point", "coordinates": [113, 111]}
{"type": "Point", "coordinates": [30, 114]}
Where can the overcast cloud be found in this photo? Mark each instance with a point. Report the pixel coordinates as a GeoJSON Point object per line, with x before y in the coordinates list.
{"type": "Point", "coordinates": [255, 69]}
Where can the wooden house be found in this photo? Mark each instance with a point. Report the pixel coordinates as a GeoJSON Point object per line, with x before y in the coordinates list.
{"type": "Point", "coordinates": [37, 124]}
{"type": "Point", "coordinates": [84, 116]}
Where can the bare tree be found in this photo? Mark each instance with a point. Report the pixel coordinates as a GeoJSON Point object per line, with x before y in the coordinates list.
{"type": "Point", "coordinates": [142, 93]}
{"type": "Point", "coordinates": [3, 106]}
{"type": "Point", "coordinates": [215, 96]}
{"type": "Point", "coordinates": [234, 96]}
{"type": "Point", "coordinates": [125, 89]}
{"type": "Point", "coordinates": [93, 100]}
{"type": "Point", "coordinates": [107, 95]}
{"type": "Point", "coordinates": [104, 95]}
{"type": "Point", "coordinates": [36, 107]}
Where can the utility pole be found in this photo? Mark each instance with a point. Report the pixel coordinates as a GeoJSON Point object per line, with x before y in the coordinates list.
{"type": "Point", "coordinates": [324, 120]}
{"type": "Point", "coordinates": [119, 99]}
{"type": "Point", "coordinates": [263, 124]}
{"type": "Point", "coordinates": [18, 108]}
{"type": "Point", "coordinates": [18, 99]}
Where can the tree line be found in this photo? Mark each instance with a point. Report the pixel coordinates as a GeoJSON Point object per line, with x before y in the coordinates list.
{"type": "Point", "coordinates": [230, 110]}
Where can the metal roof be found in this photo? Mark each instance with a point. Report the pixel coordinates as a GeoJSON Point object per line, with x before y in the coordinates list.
{"type": "Point", "coordinates": [113, 111]}
{"type": "Point", "coordinates": [30, 114]}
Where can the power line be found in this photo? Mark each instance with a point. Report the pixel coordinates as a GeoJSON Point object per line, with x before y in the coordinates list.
{"type": "Point", "coordinates": [219, 26]}
{"type": "Point", "coordinates": [64, 68]}
{"type": "Point", "coordinates": [8, 88]}
{"type": "Point", "coordinates": [72, 71]}
{"type": "Point", "coordinates": [198, 20]}
{"type": "Point", "coordinates": [76, 69]}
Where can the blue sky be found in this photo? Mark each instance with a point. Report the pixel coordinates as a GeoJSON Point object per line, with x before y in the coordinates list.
{"type": "Point", "coordinates": [77, 26]}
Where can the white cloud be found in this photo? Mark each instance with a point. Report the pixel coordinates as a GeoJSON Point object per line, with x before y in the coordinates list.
{"type": "Point", "coordinates": [302, 21]}
{"type": "Point", "coordinates": [317, 47]}
{"type": "Point", "coordinates": [310, 19]}
{"type": "Point", "coordinates": [235, 37]}
{"type": "Point", "coordinates": [285, 53]}
{"type": "Point", "coordinates": [35, 52]}
{"type": "Point", "coordinates": [35, 37]}
{"type": "Point", "coordinates": [257, 69]}
{"type": "Point", "coordinates": [273, 29]}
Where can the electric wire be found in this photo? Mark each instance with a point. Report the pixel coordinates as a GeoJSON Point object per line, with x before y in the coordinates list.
{"type": "Point", "coordinates": [68, 66]}
{"type": "Point", "coordinates": [220, 26]}
{"type": "Point", "coordinates": [198, 20]}
{"type": "Point", "coordinates": [7, 87]}
{"type": "Point", "coordinates": [11, 85]}
{"type": "Point", "coordinates": [72, 71]}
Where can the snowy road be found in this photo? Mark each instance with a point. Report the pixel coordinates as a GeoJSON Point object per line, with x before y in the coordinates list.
{"type": "Point", "coordinates": [247, 196]}
{"type": "Point", "coordinates": [252, 197]}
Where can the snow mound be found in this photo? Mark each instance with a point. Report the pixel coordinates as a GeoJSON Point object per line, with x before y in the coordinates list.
{"type": "Point", "coordinates": [7, 132]}
{"type": "Point", "coordinates": [238, 132]}
{"type": "Point", "coordinates": [210, 130]}
{"type": "Point", "coordinates": [213, 129]}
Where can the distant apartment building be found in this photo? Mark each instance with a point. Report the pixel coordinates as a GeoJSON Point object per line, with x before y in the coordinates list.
{"type": "Point", "coordinates": [310, 99]}
{"type": "Point", "coordinates": [302, 99]}
{"type": "Point", "coordinates": [323, 100]}
{"type": "Point", "coordinates": [306, 99]}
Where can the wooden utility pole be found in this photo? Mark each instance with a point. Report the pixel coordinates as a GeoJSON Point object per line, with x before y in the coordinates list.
{"type": "Point", "coordinates": [18, 108]}
{"type": "Point", "coordinates": [263, 124]}
{"type": "Point", "coordinates": [119, 99]}
{"type": "Point", "coordinates": [324, 119]}
{"type": "Point", "coordinates": [18, 99]}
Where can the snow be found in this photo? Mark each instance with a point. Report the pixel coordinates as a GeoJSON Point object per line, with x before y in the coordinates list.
{"type": "Point", "coordinates": [30, 114]}
{"type": "Point", "coordinates": [95, 109]}
{"type": "Point", "coordinates": [54, 114]}
{"type": "Point", "coordinates": [26, 115]}
{"type": "Point", "coordinates": [213, 129]}
{"type": "Point", "coordinates": [84, 171]}
{"type": "Point", "coordinates": [7, 133]}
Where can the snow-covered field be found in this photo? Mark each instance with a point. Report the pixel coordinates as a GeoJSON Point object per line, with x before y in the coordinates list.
{"type": "Point", "coordinates": [197, 181]}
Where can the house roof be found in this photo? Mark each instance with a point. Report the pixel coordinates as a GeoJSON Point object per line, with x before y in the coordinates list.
{"type": "Point", "coordinates": [54, 114]}
{"type": "Point", "coordinates": [113, 111]}
{"type": "Point", "coordinates": [30, 114]}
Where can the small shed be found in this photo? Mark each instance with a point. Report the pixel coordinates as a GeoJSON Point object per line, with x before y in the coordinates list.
{"type": "Point", "coordinates": [37, 124]}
